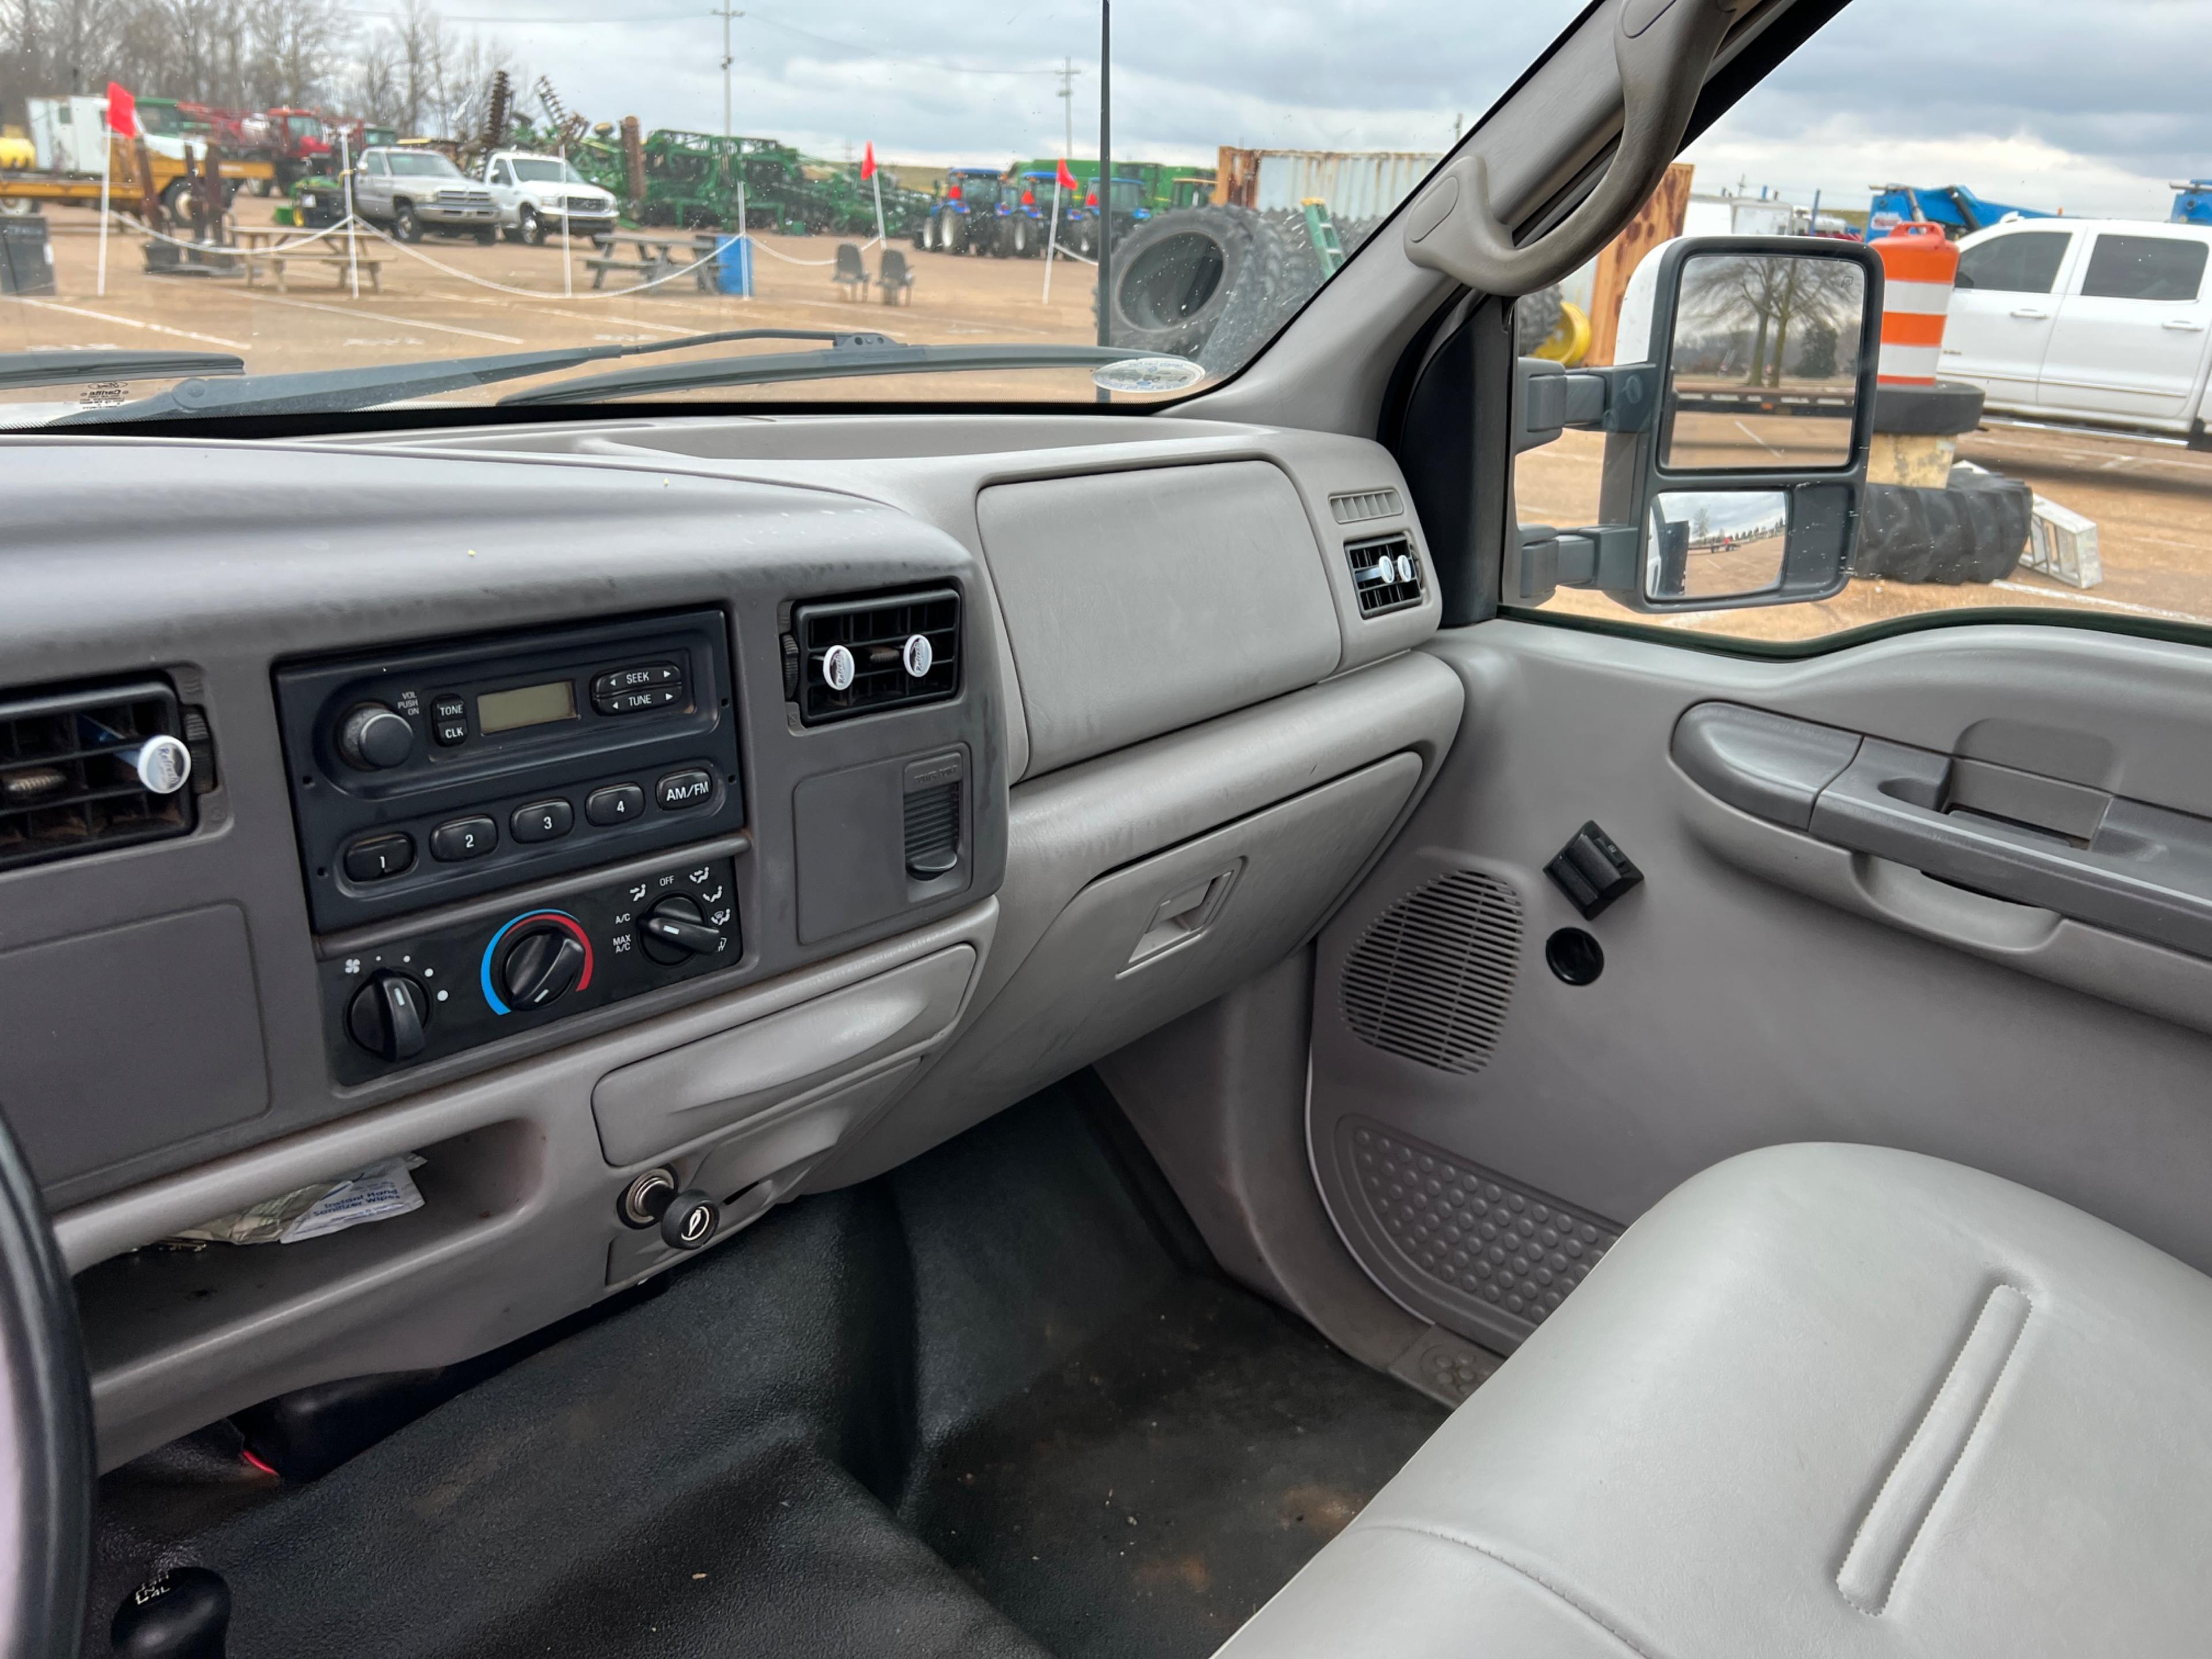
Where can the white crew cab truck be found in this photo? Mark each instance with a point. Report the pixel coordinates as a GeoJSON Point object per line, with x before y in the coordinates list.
{"type": "Point", "coordinates": [534, 193]}
{"type": "Point", "coordinates": [2105, 321]}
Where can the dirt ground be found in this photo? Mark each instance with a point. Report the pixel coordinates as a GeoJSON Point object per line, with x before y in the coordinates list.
{"type": "Point", "coordinates": [436, 302]}
{"type": "Point", "coordinates": [2151, 499]}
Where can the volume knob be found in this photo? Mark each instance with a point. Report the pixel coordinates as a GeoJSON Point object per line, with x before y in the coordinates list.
{"type": "Point", "coordinates": [374, 736]}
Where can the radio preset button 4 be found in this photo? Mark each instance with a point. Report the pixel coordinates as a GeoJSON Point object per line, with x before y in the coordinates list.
{"type": "Point", "coordinates": [678, 790]}
{"type": "Point", "coordinates": [618, 802]}
{"type": "Point", "coordinates": [543, 820]}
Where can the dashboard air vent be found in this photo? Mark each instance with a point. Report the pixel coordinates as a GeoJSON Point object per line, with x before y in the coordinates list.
{"type": "Point", "coordinates": [862, 656]}
{"type": "Point", "coordinates": [1357, 506]}
{"type": "Point", "coordinates": [77, 774]}
{"type": "Point", "coordinates": [1386, 573]}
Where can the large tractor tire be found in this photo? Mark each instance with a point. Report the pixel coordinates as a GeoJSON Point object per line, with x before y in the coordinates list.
{"type": "Point", "coordinates": [952, 232]}
{"type": "Point", "coordinates": [1973, 530]}
{"type": "Point", "coordinates": [1535, 318]}
{"type": "Point", "coordinates": [1208, 283]}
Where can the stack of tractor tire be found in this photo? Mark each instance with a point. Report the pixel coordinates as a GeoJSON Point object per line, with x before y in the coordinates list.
{"type": "Point", "coordinates": [1210, 284]}
{"type": "Point", "coordinates": [1973, 528]}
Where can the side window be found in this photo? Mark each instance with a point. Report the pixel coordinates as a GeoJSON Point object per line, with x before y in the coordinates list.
{"type": "Point", "coordinates": [2144, 268]}
{"type": "Point", "coordinates": [2059, 464]}
{"type": "Point", "coordinates": [376, 166]}
{"type": "Point", "coordinates": [2026, 261]}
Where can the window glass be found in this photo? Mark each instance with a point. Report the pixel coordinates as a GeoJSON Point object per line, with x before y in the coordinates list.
{"type": "Point", "coordinates": [807, 127]}
{"type": "Point", "coordinates": [2144, 268]}
{"type": "Point", "coordinates": [2083, 490]}
{"type": "Point", "coordinates": [2026, 261]}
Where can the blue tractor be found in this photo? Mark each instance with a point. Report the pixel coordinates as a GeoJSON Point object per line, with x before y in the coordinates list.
{"type": "Point", "coordinates": [1958, 209]}
{"type": "Point", "coordinates": [970, 213]}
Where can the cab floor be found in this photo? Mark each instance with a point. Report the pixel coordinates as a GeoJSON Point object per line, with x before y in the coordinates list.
{"type": "Point", "coordinates": [995, 1403]}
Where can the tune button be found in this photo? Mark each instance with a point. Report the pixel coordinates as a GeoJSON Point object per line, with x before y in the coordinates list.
{"type": "Point", "coordinates": [618, 802]}
{"type": "Point", "coordinates": [379, 858]}
{"type": "Point", "coordinates": [463, 838]}
{"type": "Point", "coordinates": [543, 820]}
{"type": "Point", "coordinates": [678, 790]}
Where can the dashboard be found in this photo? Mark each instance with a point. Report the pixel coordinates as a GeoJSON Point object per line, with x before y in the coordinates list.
{"type": "Point", "coordinates": [642, 825]}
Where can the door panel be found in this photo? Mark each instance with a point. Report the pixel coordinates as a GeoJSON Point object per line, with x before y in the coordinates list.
{"type": "Point", "coordinates": [2003, 310]}
{"type": "Point", "coordinates": [1761, 985]}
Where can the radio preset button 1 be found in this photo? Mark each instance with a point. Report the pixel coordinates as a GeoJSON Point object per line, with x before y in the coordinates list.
{"type": "Point", "coordinates": [543, 820]}
{"type": "Point", "coordinates": [681, 789]}
{"type": "Point", "coordinates": [379, 858]}
{"type": "Point", "coordinates": [618, 802]}
{"type": "Point", "coordinates": [463, 838]}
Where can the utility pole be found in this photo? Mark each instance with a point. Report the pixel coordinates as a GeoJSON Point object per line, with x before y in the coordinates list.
{"type": "Point", "coordinates": [729, 128]}
{"type": "Point", "coordinates": [1105, 180]}
{"type": "Point", "coordinates": [1067, 74]}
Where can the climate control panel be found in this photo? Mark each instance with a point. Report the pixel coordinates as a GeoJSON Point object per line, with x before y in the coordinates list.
{"type": "Point", "coordinates": [428, 995]}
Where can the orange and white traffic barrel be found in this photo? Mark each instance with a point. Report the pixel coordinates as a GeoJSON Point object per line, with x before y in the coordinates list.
{"type": "Point", "coordinates": [1919, 265]}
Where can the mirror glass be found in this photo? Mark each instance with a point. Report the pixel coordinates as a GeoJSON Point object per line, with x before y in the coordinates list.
{"type": "Point", "coordinates": [1763, 372]}
{"type": "Point", "coordinates": [1715, 544]}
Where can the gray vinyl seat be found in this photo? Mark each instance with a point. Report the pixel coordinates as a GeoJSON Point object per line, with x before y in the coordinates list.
{"type": "Point", "coordinates": [1821, 1399]}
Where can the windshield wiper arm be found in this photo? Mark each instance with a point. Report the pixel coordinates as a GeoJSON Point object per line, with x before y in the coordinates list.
{"type": "Point", "coordinates": [318, 391]}
{"type": "Point", "coordinates": [858, 356]}
{"type": "Point", "coordinates": [19, 369]}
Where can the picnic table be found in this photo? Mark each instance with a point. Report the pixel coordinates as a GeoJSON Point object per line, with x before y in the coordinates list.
{"type": "Point", "coordinates": [272, 247]}
{"type": "Point", "coordinates": [656, 259]}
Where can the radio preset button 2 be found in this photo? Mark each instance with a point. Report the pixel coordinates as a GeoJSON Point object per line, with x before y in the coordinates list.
{"type": "Point", "coordinates": [678, 790]}
{"type": "Point", "coordinates": [618, 802]}
{"type": "Point", "coordinates": [463, 838]}
{"type": "Point", "coordinates": [379, 858]}
{"type": "Point", "coordinates": [543, 820]}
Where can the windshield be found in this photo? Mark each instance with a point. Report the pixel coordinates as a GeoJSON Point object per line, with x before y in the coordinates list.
{"type": "Point", "coordinates": [533, 170]}
{"type": "Point", "coordinates": [423, 164]}
{"type": "Point", "coordinates": [856, 130]}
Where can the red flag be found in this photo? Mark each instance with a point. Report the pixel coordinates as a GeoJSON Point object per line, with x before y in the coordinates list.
{"type": "Point", "coordinates": [122, 111]}
{"type": "Point", "coordinates": [1067, 179]}
{"type": "Point", "coordinates": [868, 161]}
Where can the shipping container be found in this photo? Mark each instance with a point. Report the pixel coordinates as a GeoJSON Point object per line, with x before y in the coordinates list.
{"type": "Point", "coordinates": [69, 134]}
{"type": "Point", "coordinates": [1353, 184]}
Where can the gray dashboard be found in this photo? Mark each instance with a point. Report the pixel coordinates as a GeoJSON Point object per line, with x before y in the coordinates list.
{"type": "Point", "coordinates": [1133, 595]}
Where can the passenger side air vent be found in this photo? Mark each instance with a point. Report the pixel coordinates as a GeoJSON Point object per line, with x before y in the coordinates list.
{"type": "Point", "coordinates": [862, 656]}
{"type": "Point", "coordinates": [1357, 506]}
{"type": "Point", "coordinates": [1386, 573]}
{"type": "Point", "coordinates": [1430, 982]}
{"type": "Point", "coordinates": [82, 771]}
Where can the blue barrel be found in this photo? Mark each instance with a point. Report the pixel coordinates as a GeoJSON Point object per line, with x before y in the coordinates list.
{"type": "Point", "coordinates": [733, 265]}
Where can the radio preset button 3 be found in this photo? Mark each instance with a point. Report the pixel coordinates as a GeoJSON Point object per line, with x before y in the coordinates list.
{"type": "Point", "coordinates": [618, 802]}
{"type": "Point", "coordinates": [543, 820]}
{"type": "Point", "coordinates": [379, 858]}
{"type": "Point", "coordinates": [463, 838]}
{"type": "Point", "coordinates": [678, 790]}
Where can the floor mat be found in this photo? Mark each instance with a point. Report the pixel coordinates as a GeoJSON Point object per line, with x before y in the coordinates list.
{"type": "Point", "coordinates": [988, 1405]}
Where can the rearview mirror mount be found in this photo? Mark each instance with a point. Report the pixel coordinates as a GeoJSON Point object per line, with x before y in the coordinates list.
{"type": "Point", "coordinates": [1736, 450]}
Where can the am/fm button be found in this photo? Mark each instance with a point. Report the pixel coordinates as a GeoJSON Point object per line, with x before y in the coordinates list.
{"type": "Point", "coordinates": [681, 789]}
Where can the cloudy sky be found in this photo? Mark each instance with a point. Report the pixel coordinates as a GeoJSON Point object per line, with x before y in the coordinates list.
{"type": "Point", "coordinates": [2040, 103]}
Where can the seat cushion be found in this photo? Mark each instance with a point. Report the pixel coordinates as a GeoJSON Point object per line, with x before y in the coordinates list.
{"type": "Point", "coordinates": [1821, 1399]}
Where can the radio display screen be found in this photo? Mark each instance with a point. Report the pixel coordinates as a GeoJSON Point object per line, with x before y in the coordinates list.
{"type": "Point", "coordinates": [526, 705]}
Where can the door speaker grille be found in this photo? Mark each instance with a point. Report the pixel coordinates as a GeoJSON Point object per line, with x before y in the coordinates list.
{"type": "Point", "coordinates": [1431, 980]}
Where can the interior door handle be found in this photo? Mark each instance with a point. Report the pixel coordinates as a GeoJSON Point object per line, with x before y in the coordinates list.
{"type": "Point", "coordinates": [2031, 315]}
{"type": "Point", "coordinates": [2146, 872]}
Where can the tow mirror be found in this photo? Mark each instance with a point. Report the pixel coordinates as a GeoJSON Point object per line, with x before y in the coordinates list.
{"type": "Point", "coordinates": [1735, 455]}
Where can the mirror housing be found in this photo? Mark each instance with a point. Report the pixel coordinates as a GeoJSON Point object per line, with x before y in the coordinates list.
{"type": "Point", "coordinates": [1756, 398]}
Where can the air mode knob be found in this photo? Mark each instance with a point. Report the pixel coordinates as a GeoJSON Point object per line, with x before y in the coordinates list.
{"type": "Point", "coordinates": [373, 737]}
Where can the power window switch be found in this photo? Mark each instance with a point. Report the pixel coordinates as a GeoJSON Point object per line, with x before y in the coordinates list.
{"type": "Point", "coordinates": [1592, 870]}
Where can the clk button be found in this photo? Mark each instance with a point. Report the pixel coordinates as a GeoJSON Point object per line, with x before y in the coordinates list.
{"type": "Point", "coordinates": [681, 789]}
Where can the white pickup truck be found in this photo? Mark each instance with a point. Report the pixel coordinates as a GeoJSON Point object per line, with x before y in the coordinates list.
{"type": "Point", "coordinates": [535, 193]}
{"type": "Point", "coordinates": [2105, 321]}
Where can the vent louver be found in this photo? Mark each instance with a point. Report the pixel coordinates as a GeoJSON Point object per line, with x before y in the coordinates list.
{"type": "Point", "coordinates": [66, 783]}
{"type": "Point", "coordinates": [1357, 506]}
{"type": "Point", "coordinates": [1386, 574]}
{"type": "Point", "coordinates": [1431, 980]}
{"type": "Point", "coordinates": [868, 644]}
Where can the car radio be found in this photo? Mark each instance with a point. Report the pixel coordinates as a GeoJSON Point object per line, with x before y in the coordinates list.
{"type": "Point", "coordinates": [431, 773]}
